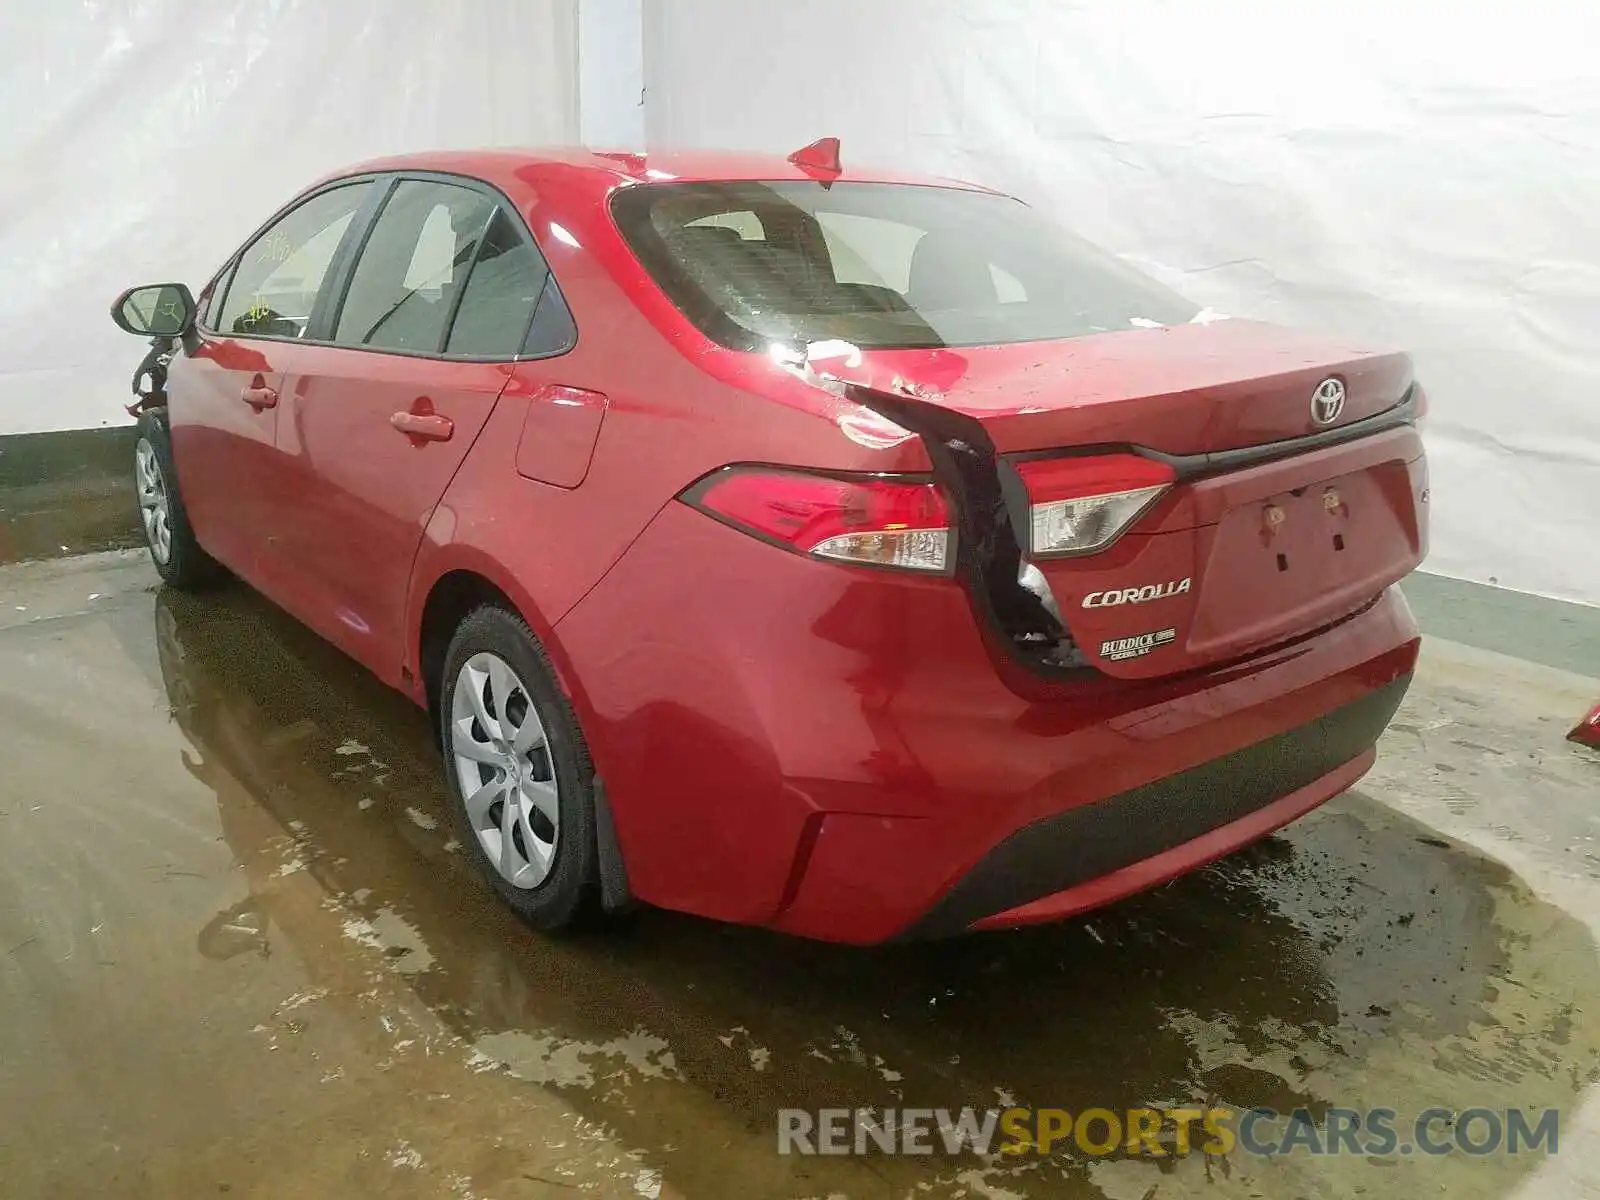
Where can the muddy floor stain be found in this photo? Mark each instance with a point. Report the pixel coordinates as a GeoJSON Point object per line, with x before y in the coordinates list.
{"type": "Point", "coordinates": [298, 988]}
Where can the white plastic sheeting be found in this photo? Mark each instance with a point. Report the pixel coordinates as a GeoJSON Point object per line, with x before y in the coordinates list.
{"type": "Point", "coordinates": [1418, 172]}
{"type": "Point", "coordinates": [142, 140]}
{"type": "Point", "coordinates": [611, 74]}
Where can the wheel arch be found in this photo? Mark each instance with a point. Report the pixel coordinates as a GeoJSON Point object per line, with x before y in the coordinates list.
{"type": "Point", "coordinates": [452, 587]}
{"type": "Point", "coordinates": [452, 596]}
{"type": "Point", "coordinates": [453, 593]}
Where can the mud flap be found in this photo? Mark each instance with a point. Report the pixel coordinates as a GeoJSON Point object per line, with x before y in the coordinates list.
{"type": "Point", "coordinates": [615, 893]}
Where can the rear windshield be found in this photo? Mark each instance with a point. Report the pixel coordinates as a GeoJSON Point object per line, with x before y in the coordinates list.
{"type": "Point", "coordinates": [878, 265]}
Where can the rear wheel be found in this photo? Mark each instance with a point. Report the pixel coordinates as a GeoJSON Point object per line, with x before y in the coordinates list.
{"type": "Point", "coordinates": [178, 558]}
{"type": "Point", "coordinates": [518, 771]}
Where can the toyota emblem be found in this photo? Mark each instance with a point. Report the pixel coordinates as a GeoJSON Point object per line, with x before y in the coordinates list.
{"type": "Point", "coordinates": [1327, 402]}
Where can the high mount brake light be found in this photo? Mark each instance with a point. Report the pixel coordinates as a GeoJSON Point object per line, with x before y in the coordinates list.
{"type": "Point", "coordinates": [879, 522]}
{"type": "Point", "coordinates": [1083, 504]}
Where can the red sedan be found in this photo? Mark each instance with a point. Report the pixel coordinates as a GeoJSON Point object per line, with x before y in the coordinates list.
{"type": "Point", "coordinates": [837, 551]}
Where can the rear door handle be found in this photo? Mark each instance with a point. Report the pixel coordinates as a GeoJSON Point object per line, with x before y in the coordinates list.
{"type": "Point", "coordinates": [259, 398]}
{"type": "Point", "coordinates": [429, 427]}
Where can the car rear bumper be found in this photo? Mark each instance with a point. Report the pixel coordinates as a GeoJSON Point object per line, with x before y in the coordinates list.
{"type": "Point", "coordinates": [832, 751]}
{"type": "Point", "coordinates": [1097, 852]}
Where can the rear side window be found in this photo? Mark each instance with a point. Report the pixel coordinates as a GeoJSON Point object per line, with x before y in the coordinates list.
{"type": "Point", "coordinates": [275, 285]}
{"type": "Point", "coordinates": [415, 262]}
{"type": "Point", "coordinates": [501, 293]}
{"type": "Point", "coordinates": [878, 265]}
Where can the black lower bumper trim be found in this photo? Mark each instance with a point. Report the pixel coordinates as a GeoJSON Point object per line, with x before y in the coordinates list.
{"type": "Point", "coordinates": [1084, 843]}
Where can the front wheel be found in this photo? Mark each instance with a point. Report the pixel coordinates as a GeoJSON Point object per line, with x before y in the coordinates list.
{"type": "Point", "coordinates": [519, 772]}
{"type": "Point", "coordinates": [178, 558]}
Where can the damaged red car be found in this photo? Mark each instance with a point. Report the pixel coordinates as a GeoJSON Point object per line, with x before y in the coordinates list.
{"type": "Point", "coordinates": [847, 553]}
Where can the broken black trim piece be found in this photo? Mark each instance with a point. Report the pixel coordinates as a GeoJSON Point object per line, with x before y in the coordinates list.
{"type": "Point", "coordinates": [991, 513]}
{"type": "Point", "coordinates": [1085, 843]}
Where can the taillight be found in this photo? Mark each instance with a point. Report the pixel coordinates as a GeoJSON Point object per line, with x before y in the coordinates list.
{"type": "Point", "coordinates": [1080, 505]}
{"type": "Point", "coordinates": [879, 522]}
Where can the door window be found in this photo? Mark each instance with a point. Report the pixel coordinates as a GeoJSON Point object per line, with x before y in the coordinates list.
{"type": "Point", "coordinates": [415, 263]}
{"type": "Point", "coordinates": [279, 274]}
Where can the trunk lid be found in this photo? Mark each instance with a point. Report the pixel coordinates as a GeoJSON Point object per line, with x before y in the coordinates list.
{"type": "Point", "coordinates": [1182, 389]}
{"type": "Point", "coordinates": [1243, 552]}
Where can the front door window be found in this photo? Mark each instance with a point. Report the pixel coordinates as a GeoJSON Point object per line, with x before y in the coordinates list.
{"type": "Point", "coordinates": [275, 286]}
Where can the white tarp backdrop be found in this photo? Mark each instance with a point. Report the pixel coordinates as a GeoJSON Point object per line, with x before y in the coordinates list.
{"type": "Point", "coordinates": [142, 140]}
{"type": "Point", "coordinates": [1421, 173]}
{"type": "Point", "coordinates": [611, 74]}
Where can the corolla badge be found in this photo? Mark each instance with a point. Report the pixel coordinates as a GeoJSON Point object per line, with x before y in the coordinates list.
{"type": "Point", "coordinates": [1137, 595]}
{"type": "Point", "coordinates": [1327, 402]}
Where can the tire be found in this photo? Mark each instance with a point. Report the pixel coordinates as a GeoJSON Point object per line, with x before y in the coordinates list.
{"type": "Point", "coordinates": [550, 889]}
{"type": "Point", "coordinates": [177, 556]}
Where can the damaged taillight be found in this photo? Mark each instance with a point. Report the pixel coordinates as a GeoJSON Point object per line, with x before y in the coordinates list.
{"type": "Point", "coordinates": [1078, 505]}
{"type": "Point", "coordinates": [878, 521]}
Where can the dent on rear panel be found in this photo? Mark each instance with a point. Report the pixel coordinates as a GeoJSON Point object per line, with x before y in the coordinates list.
{"type": "Point", "coordinates": [559, 434]}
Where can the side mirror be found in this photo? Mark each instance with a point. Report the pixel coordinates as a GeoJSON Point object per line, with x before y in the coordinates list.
{"type": "Point", "coordinates": [155, 310]}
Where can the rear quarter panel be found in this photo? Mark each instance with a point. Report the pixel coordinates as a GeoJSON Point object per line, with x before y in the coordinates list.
{"type": "Point", "coordinates": [675, 409]}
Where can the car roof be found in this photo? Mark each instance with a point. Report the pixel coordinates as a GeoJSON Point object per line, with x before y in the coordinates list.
{"type": "Point", "coordinates": [614, 168]}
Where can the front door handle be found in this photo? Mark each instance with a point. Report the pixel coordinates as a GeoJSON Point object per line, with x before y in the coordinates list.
{"type": "Point", "coordinates": [427, 427]}
{"type": "Point", "coordinates": [259, 397]}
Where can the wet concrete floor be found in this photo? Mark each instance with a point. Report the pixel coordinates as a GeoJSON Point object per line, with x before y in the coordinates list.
{"type": "Point", "coordinates": [239, 956]}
